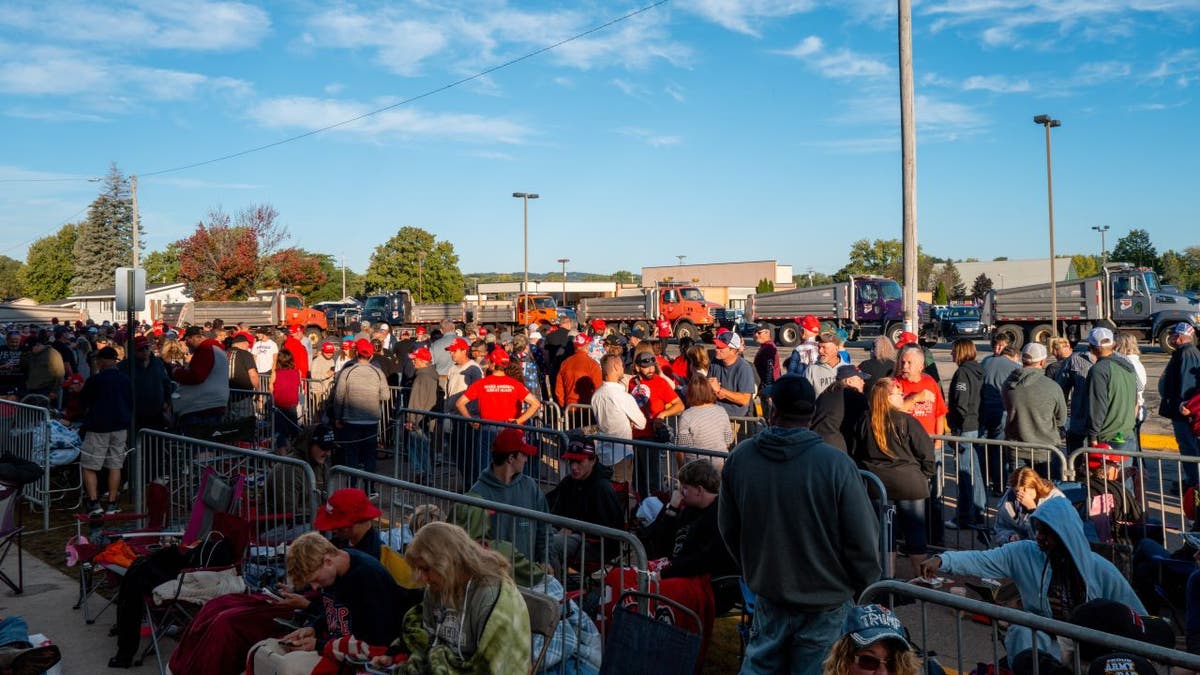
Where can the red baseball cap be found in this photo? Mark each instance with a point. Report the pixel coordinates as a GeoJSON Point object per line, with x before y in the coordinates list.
{"type": "Point", "coordinates": [482, 330]}
{"type": "Point", "coordinates": [421, 330]}
{"type": "Point", "coordinates": [906, 338]}
{"type": "Point", "coordinates": [422, 353]}
{"type": "Point", "coordinates": [1095, 459]}
{"type": "Point", "coordinates": [364, 347]}
{"type": "Point", "coordinates": [499, 357]}
{"type": "Point", "coordinates": [579, 450]}
{"type": "Point", "coordinates": [73, 378]}
{"type": "Point", "coordinates": [458, 344]}
{"type": "Point", "coordinates": [294, 328]}
{"type": "Point", "coordinates": [328, 348]}
{"type": "Point", "coordinates": [599, 325]}
{"type": "Point", "coordinates": [347, 344]}
{"type": "Point", "coordinates": [511, 441]}
{"type": "Point", "coordinates": [345, 508]}
{"type": "Point", "coordinates": [810, 323]}
{"type": "Point", "coordinates": [582, 340]}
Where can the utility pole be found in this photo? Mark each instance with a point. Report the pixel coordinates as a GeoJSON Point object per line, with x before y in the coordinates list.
{"type": "Point", "coordinates": [343, 275]}
{"type": "Point", "coordinates": [525, 197]}
{"type": "Point", "coordinates": [908, 164]}
{"type": "Point", "coordinates": [1102, 229]}
{"type": "Point", "coordinates": [1049, 123]}
{"type": "Point", "coordinates": [133, 190]}
{"type": "Point", "coordinates": [564, 262]}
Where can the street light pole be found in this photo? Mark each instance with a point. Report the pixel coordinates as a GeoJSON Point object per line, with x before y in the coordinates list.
{"type": "Point", "coordinates": [564, 262]}
{"type": "Point", "coordinates": [421, 276]}
{"type": "Point", "coordinates": [1048, 123]}
{"type": "Point", "coordinates": [525, 197]}
{"type": "Point", "coordinates": [1102, 229]}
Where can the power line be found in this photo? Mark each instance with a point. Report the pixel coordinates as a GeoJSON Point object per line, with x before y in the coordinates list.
{"type": "Point", "coordinates": [64, 222]}
{"type": "Point", "coordinates": [418, 97]}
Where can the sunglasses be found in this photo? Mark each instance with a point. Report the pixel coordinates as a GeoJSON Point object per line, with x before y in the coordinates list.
{"type": "Point", "coordinates": [871, 663]}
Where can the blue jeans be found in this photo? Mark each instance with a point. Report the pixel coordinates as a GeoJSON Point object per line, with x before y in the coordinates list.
{"type": "Point", "coordinates": [357, 443]}
{"type": "Point", "coordinates": [784, 640]}
{"type": "Point", "coordinates": [911, 514]}
{"type": "Point", "coordinates": [13, 631]}
{"type": "Point", "coordinates": [993, 427]}
{"type": "Point", "coordinates": [418, 452]}
{"type": "Point", "coordinates": [972, 494]}
{"type": "Point", "coordinates": [1188, 447]}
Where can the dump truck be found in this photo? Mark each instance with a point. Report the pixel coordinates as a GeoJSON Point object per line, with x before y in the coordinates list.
{"type": "Point", "coordinates": [682, 305]}
{"type": "Point", "coordinates": [864, 306]}
{"type": "Point", "coordinates": [1122, 297]}
{"type": "Point", "coordinates": [523, 310]}
{"type": "Point", "coordinates": [267, 309]}
{"type": "Point", "coordinates": [396, 308]}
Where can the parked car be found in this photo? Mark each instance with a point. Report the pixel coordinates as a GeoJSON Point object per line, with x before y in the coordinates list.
{"type": "Point", "coordinates": [952, 323]}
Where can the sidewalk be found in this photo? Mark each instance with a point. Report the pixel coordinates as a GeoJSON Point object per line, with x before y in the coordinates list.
{"type": "Point", "coordinates": [46, 605]}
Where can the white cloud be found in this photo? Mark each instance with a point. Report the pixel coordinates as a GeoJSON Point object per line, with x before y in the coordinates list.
{"type": "Point", "coordinates": [401, 44]}
{"type": "Point", "coordinates": [628, 88]}
{"type": "Point", "coordinates": [839, 64]}
{"type": "Point", "coordinates": [999, 84]}
{"type": "Point", "coordinates": [187, 25]}
{"type": "Point", "coordinates": [334, 88]}
{"type": "Point", "coordinates": [564, 82]}
{"type": "Point", "coordinates": [1091, 74]}
{"type": "Point", "coordinates": [675, 91]}
{"type": "Point", "coordinates": [746, 16]}
{"type": "Point", "coordinates": [635, 43]}
{"type": "Point", "coordinates": [1181, 67]}
{"type": "Point", "coordinates": [651, 138]}
{"type": "Point", "coordinates": [53, 115]}
{"type": "Point", "coordinates": [404, 123]}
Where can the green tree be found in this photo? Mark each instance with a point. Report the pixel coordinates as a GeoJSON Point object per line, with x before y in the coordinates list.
{"type": "Point", "coordinates": [50, 265]}
{"type": "Point", "coordinates": [764, 286]}
{"type": "Point", "coordinates": [1086, 265]}
{"type": "Point", "coordinates": [949, 278]}
{"type": "Point", "coordinates": [810, 279]}
{"type": "Point", "coordinates": [332, 289]}
{"type": "Point", "coordinates": [624, 277]}
{"type": "Point", "coordinates": [1135, 248]}
{"type": "Point", "coordinates": [10, 278]}
{"type": "Point", "coordinates": [416, 260]}
{"type": "Point", "coordinates": [981, 286]}
{"type": "Point", "coordinates": [105, 239]}
{"type": "Point", "coordinates": [1182, 269]}
{"type": "Point", "coordinates": [940, 296]}
{"type": "Point", "coordinates": [885, 257]}
{"type": "Point", "coordinates": [162, 267]}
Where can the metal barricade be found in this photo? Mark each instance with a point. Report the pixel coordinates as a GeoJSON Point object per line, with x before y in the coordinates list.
{"type": "Point", "coordinates": [1152, 485]}
{"type": "Point", "coordinates": [977, 472]}
{"type": "Point", "coordinates": [25, 430]}
{"type": "Point", "coordinates": [746, 427]}
{"type": "Point", "coordinates": [315, 394]}
{"type": "Point", "coordinates": [264, 381]}
{"type": "Point", "coordinates": [449, 451]}
{"type": "Point", "coordinates": [280, 496]}
{"type": "Point", "coordinates": [967, 642]}
{"type": "Point", "coordinates": [387, 409]}
{"type": "Point", "coordinates": [577, 416]}
{"type": "Point", "coordinates": [530, 539]}
{"type": "Point", "coordinates": [886, 512]}
{"type": "Point", "coordinates": [550, 415]}
{"type": "Point", "coordinates": [647, 467]}
{"type": "Point", "coordinates": [256, 408]}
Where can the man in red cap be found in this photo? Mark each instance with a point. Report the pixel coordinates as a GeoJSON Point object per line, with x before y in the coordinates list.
{"type": "Point", "coordinates": [349, 517]}
{"type": "Point", "coordinates": [464, 372]}
{"type": "Point", "coordinates": [807, 352]}
{"type": "Point", "coordinates": [579, 375]}
{"type": "Point", "coordinates": [596, 349]}
{"type": "Point", "coordinates": [505, 482]}
{"type": "Point", "coordinates": [299, 346]}
{"type": "Point", "coordinates": [345, 357]}
{"type": "Point", "coordinates": [323, 367]}
{"type": "Point", "coordinates": [359, 391]}
{"type": "Point", "coordinates": [424, 396]}
{"type": "Point", "coordinates": [500, 398]}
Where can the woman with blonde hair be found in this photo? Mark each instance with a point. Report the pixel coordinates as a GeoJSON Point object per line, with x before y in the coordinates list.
{"type": "Point", "coordinates": [472, 619]}
{"type": "Point", "coordinates": [1026, 491]}
{"type": "Point", "coordinates": [1127, 346]}
{"type": "Point", "coordinates": [892, 445]}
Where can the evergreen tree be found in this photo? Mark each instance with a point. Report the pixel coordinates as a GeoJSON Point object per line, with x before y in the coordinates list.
{"type": "Point", "coordinates": [105, 239]}
{"type": "Point", "coordinates": [980, 288]}
{"type": "Point", "coordinates": [940, 296]}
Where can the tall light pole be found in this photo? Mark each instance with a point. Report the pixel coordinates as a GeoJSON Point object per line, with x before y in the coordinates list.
{"type": "Point", "coordinates": [133, 194]}
{"type": "Point", "coordinates": [681, 259]}
{"type": "Point", "coordinates": [1102, 229]}
{"type": "Point", "coordinates": [525, 197]}
{"type": "Point", "coordinates": [421, 276]}
{"type": "Point", "coordinates": [1048, 123]}
{"type": "Point", "coordinates": [908, 164]}
{"type": "Point", "coordinates": [563, 262]}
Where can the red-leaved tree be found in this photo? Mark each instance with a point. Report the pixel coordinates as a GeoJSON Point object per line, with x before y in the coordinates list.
{"type": "Point", "coordinates": [226, 259]}
{"type": "Point", "coordinates": [295, 269]}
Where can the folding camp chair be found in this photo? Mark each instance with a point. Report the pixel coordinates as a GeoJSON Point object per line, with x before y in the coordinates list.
{"type": "Point", "coordinates": [544, 612]}
{"type": "Point", "coordinates": [10, 534]}
{"type": "Point", "coordinates": [638, 644]}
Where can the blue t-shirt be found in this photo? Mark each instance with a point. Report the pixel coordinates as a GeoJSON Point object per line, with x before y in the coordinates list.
{"type": "Point", "coordinates": [738, 377]}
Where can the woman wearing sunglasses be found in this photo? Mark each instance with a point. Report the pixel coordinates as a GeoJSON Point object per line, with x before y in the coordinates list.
{"type": "Point", "coordinates": [873, 641]}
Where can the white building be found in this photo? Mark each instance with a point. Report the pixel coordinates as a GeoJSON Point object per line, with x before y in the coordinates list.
{"type": "Point", "coordinates": [101, 305]}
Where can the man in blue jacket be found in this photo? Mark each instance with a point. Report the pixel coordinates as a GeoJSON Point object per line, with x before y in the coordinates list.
{"type": "Point", "coordinates": [1054, 574]}
{"type": "Point", "coordinates": [108, 400]}
{"type": "Point", "coordinates": [1180, 381]}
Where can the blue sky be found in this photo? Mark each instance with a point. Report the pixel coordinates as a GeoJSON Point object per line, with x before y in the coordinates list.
{"type": "Point", "coordinates": [715, 129]}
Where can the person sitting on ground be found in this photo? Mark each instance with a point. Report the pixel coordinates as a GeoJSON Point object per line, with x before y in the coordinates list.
{"type": "Point", "coordinates": [872, 638]}
{"type": "Point", "coordinates": [1026, 491]}
{"type": "Point", "coordinates": [585, 494]}
{"type": "Point", "coordinates": [17, 655]}
{"type": "Point", "coordinates": [506, 482]}
{"type": "Point", "coordinates": [472, 618]}
{"type": "Point", "coordinates": [361, 609]}
{"type": "Point", "coordinates": [1054, 574]}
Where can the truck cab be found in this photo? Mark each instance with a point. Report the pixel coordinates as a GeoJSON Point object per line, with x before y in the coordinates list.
{"type": "Point", "coordinates": [878, 305]}
{"type": "Point", "coordinates": [1138, 302]}
{"type": "Point", "coordinates": [685, 306]}
{"type": "Point", "coordinates": [535, 308]}
{"type": "Point", "coordinates": [390, 307]}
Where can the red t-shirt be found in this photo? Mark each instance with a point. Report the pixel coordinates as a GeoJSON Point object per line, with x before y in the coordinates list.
{"type": "Point", "coordinates": [286, 391]}
{"type": "Point", "coordinates": [499, 397]}
{"type": "Point", "coordinates": [652, 396]}
{"type": "Point", "coordinates": [926, 413]}
{"type": "Point", "coordinates": [299, 353]}
{"type": "Point", "coordinates": [664, 328]}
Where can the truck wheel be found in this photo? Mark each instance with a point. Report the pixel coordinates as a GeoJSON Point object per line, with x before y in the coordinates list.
{"type": "Point", "coordinates": [788, 335]}
{"type": "Point", "coordinates": [1016, 336]}
{"type": "Point", "coordinates": [893, 332]}
{"type": "Point", "coordinates": [1041, 333]}
{"type": "Point", "coordinates": [314, 335]}
{"type": "Point", "coordinates": [644, 327]}
{"type": "Point", "coordinates": [685, 329]}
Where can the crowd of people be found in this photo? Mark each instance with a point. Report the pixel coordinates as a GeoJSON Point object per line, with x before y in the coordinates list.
{"type": "Point", "coordinates": [827, 419]}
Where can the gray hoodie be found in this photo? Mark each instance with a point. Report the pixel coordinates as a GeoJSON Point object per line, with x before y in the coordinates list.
{"type": "Point", "coordinates": [1036, 409]}
{"type": "Point", "coordinates": [795, 515]}
{"type": "Point", "coordinates": [527, 536]}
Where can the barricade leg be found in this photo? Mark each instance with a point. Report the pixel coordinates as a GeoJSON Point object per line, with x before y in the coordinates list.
{"type": "Point", "coordinates": [1189, 446]}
